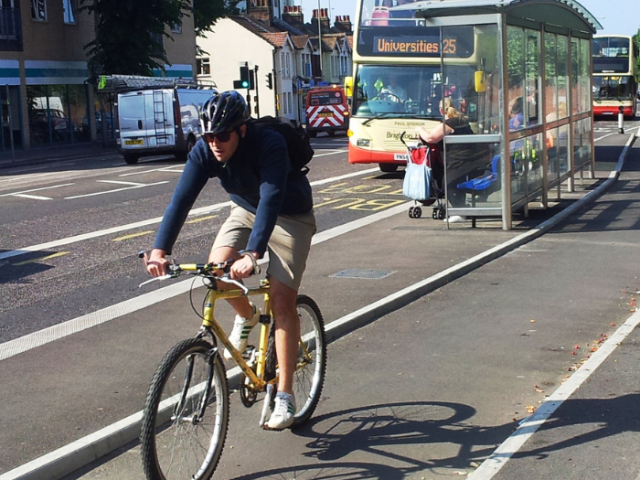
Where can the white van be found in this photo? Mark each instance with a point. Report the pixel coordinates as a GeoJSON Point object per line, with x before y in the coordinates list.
{"type": "Point", "coordinates": [160, 120]}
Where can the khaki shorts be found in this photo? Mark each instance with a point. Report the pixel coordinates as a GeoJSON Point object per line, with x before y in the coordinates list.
{"type": "Point", "coordinates": [288, 246]}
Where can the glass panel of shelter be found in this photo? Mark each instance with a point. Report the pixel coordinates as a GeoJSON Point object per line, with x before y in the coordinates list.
{"type": "Point", "coordinates": [471, 96]}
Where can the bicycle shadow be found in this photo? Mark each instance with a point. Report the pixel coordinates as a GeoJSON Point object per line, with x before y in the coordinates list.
{"type": "Point", "coordinates": [396, 434]}
{"type": "Point", "coordinates": [392, 432]}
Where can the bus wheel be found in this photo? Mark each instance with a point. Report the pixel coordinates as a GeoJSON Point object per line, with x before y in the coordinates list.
{"type": "Point", "coordinates": [388, 167]}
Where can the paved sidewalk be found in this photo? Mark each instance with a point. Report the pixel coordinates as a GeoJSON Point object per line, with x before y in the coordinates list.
{"type": "Point", "coordinates": [39, 156]}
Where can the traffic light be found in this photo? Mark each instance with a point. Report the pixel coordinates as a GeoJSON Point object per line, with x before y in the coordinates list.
{"type": "Point", "coordinates": [269, 81]}
{"type": "Point", "coordinates": [244, 76]}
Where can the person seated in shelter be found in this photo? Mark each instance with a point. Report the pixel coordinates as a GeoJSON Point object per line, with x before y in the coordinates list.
{"type": "Point", "coordinates": [460, 158]}
{"type": "Point", "coordinates": [516, 118]}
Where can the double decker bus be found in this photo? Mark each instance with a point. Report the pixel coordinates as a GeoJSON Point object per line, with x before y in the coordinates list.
{"type": "Point", "coordinates": [614, 75]}
{"type": "Point", "coordinates": [403, 68]}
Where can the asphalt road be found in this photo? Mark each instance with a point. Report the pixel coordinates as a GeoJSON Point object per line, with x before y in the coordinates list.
{"type": "Point", "coordinates": [445, 393]}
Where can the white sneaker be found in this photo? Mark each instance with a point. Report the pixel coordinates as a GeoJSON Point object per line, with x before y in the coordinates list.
{"type": "Point", "coordinates": [283, 412]}
{"type": "Point", "coordinates": [456, 219]}
{"type": "Point", "coordinates": [241, 329]}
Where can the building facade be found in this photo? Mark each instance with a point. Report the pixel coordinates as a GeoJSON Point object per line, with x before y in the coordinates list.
{"type": "Point", "coordinates": [45, 94]}
{"type": "Point", "coordinates": [287, 55]}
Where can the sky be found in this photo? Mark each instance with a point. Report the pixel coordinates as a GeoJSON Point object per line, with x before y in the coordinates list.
{"type": "Point", "coordinates": [616, 16]}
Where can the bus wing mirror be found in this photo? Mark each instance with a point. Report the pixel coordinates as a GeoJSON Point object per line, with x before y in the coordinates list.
{"type": "Point", "coordinates": [348, 86]}
{"type": "Point", "coordinates": [480, 84]}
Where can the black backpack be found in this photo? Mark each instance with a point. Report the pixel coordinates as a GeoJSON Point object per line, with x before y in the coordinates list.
{"type": "Point", "coordinates": [297, 138]}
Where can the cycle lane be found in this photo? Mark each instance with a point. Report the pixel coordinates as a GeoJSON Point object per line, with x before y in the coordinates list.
{"type": "Point", "coordinates": [430, 390]}
{"type": "Point", "coordinates": [115, 388]}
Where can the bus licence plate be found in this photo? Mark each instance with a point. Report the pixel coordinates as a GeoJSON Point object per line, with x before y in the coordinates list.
{"type": "Point", "coordinates": [401, 157]}
{"type": "Point", "coordinates": [134, 141]}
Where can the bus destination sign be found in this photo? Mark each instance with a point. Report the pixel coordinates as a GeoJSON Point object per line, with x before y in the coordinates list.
{"type": "Point", "coordinates": [416, 42]}
{"type": "Point", "coordinates": [427, 46]}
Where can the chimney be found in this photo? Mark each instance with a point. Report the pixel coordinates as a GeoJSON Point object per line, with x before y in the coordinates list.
{"type": "Point", "coordinates": [343, 24]}
{"type": "Point", "coordinates": [261, 10]}
{"type": "Point", "coordinates": [293, 16]}
{"type": "Point", "coordinates": [324, 19]}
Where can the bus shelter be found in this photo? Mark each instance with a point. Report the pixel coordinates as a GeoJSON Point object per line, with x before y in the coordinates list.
{"type": "Point", "coordinates": [519, 71]}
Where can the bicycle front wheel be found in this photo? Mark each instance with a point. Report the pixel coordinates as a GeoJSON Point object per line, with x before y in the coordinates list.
{"type": "Point", "coordinates": [308, 378]}
{"type": "Point", "coordinates": [186, 415]}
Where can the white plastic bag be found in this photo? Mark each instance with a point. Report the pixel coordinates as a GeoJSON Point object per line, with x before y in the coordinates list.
{"type": "Point", "coordinates": [417, 181]}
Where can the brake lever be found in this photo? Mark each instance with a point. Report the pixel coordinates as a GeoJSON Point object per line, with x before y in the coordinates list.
{"type": "Point", "coordinates": [233, 282]}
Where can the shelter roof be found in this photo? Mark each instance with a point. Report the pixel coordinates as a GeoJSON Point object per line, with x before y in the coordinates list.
{"type": "Point", "coordinates": [538, 10]}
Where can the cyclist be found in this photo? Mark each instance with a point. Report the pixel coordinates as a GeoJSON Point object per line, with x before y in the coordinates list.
{"type": "Point", "coordinates": [272, 210]}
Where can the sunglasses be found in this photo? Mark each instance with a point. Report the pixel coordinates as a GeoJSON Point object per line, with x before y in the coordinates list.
{"type": "Point", "coordinates": [221, 137]}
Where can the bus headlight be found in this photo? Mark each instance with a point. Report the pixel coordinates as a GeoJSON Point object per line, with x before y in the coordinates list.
{"type": "Point", "coordinates": [363, 142]}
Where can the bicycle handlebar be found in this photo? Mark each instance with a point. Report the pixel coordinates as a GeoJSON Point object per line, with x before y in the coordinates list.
{"type": "Point", "coordinates": [202, 269]}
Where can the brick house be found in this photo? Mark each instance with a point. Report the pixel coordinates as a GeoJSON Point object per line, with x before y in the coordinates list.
{"type": "Point", "coordinates": [286, 52]}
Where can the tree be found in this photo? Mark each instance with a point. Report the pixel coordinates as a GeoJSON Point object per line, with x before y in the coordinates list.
{"type": "Point", "coordinates": [207, 12]}
{"type": "Point", "coordinates": [129, 34]}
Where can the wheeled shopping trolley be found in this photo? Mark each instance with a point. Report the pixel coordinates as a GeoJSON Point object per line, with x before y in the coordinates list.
{"type": "Point", "coordinates": [427, 158]}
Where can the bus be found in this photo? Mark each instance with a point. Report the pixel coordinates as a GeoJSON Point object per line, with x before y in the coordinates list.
{"type": "Point", "coordinates": [614, 75]}
{"type": "Point", "coordinates": [403, 68]}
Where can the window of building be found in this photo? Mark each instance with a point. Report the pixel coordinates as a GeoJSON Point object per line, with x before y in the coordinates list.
{"type": "Point", "coordinates": [39, 10]}
{"type": "Point", "coordinates": [69, 8]}
{"type": "Point", "coordinates": [306, 65]}
{"type": "Point", "coordinates": [58, 114]}
{"type": "Point", "coordinates": [176, 28]}
{"type": "Point", "coordinates": [204, 66]}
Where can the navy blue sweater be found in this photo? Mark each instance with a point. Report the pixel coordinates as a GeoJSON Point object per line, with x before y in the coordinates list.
{"type": "Point", "coordinates": [257, 177]}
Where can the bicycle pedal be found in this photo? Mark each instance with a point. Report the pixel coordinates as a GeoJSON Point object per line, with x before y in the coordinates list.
{"type": "Point", "coordinates": [249, 353]}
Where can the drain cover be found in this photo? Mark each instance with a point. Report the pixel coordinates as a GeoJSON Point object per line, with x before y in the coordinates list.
{"type": "Point", "coordinates": [363, 273]}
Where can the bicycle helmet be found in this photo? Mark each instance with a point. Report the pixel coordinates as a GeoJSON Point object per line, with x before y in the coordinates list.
{"type": "Point", "coordinates": [223, 111]}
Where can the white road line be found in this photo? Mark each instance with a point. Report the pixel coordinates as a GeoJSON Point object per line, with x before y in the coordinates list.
{"type": "Point", "coordinates": [15, 194]}
{"type": "Point", "coordinates": [115, 190]}
{"type": "Point", "coordinates": [120, 182]}
{"type": "Point", "coordinates": [31, 197]}
{"type": "Point", "coordinates": [144, 223]}
{"type": "Point", "coordinates": [143, 172]}
{"type": "Point", "coordinates": [56, 332]}
{"type": "Point", "coordinates": [530, 425]}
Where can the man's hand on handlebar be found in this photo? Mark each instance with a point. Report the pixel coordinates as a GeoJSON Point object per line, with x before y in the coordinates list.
{"type": "Point", "coordinates": [243, 267]}
{"type": "Point", "coordinates": [156, 263]}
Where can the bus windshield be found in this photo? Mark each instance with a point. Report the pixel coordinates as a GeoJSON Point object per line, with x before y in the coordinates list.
{"type": "Point", "coordinates": [613, 88]}
{"type": "Point", "coordinates": [413, 91]}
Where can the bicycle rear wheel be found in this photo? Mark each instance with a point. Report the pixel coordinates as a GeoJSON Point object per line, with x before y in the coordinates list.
{"type": "Point", "coordinates": [308, 378]}
{"type": "Point", "coordinates": [186, 415]}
